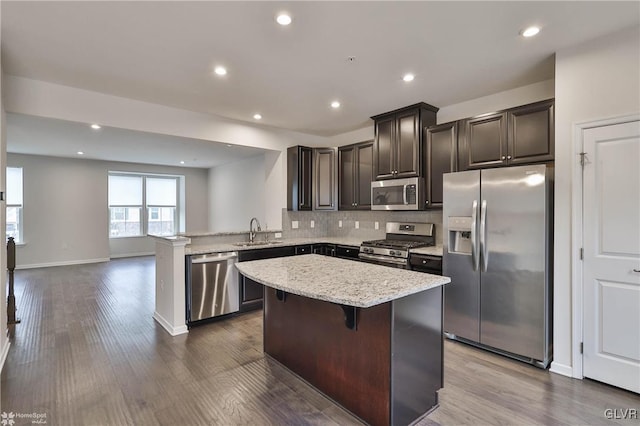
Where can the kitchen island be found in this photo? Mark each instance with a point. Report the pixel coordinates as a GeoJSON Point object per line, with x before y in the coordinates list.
{"type": "Point", "coordinates": [367, 336]}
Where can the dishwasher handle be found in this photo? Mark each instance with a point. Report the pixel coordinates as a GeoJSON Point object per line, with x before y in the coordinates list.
{"type": "Point", "coordinates": [214, 259]}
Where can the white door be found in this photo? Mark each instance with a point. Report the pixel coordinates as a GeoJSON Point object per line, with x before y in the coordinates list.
{"type": "Point", "coordinates": [611, 235]}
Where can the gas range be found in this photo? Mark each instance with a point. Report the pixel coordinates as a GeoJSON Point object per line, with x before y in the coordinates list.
{"type": "Point", "coordinates": [400, 238]}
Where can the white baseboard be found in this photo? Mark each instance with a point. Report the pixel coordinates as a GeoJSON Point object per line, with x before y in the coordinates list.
{"type": "Point", "coordinates": [562, 369]}
{"type": "Point", "coordinates": [174, 331]}
{"type": "Point", "coordinates": [63, 263]}
{"type": "Point", "coordinates": [120, 256]}
{"type": "Point", "coordinates": [3, 355]}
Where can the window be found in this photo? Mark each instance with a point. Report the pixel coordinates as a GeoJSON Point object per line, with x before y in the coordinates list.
{"type": "Point", "coordinates": [129, 194]}
{"type": "Point", "coordinates": [161, 205]}
{"type": "Point", "coordinates": [14, 203]}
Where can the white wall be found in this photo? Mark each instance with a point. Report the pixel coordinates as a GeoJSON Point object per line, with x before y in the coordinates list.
{"type": "Point", "coordinates": [509, 98]}
{"type": "Point", "coordinates": [498, 101]}
{"type": "Point", "coordinates": [43, 99]}
{"type": "Point", "coordinates": [237, 193]}
{"type": "Point", "coordinates": [4, 340]}
{"type": "Point", "coordinates": [596, 80]}
{"type": "Point", "coordinates": [65, 214]}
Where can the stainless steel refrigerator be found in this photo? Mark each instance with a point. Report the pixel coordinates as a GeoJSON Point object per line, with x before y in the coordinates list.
{"type": "Point", "coordinates": [498, 239]}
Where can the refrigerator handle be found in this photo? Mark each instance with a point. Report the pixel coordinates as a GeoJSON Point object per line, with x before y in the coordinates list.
{"type": "Point", "coordinates": [475, 258]}
{"type": "Point", "coordinates": [483, 236]}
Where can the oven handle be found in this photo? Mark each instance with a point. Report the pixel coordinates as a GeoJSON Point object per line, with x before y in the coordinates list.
{"type": "Point", "coordinates": [382, 259]}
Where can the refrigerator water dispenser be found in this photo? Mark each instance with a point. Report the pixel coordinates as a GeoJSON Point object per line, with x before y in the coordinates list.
{"type": "Point", "coordinates": [460, 234]}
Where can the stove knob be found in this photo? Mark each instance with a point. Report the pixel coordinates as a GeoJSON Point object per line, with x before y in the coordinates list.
{"type": "Point", "coordinates": [392, 253]}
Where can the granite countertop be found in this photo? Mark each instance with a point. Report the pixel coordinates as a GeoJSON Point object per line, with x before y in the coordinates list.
{"type": "Point", "coordinates": [222, 247]}
{"type": "Point", "coordinates": [432, 251]}
{"type": "Point", "coordinates": [337, 280]}
{"type": "Point", "coordinates": [343, 241]}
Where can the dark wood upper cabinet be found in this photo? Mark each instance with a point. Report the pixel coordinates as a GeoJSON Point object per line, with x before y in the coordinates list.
{"type": "Point", "coordinates": [441, 154]}
{"type": "Point", "coordinates": [299, 178]}
{"type": "Point", "coordinates": [364, 175]}
{"type": "Point", "coordinates": [519, 135]}
{"type": "Point", "coordinates": [485, 142]}
{"type": "Point", "coordinates": [325, 187]}
{"type": "Point", "coordinates": [385, 136]}
{"type": "Point", "coordinates": [531, 133]}
{"type": "Point", "coordinates": [346, 177]}
{"type": "Point", "coordinates": [398, 141]}
{"type": "Point", "coordinates": [355, 169]}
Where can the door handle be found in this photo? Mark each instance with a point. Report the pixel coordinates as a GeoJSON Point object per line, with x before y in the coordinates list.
{"type": "Point", "coordinates": [636, 270]}
{"type": "Point", "coordinates": [474, 246]}
{"type": "Point", "coordinates": [404, 194]}
{"type": "Point", "coordinates": [483, 236]}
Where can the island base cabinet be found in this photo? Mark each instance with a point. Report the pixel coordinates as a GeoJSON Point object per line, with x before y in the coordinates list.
{"type": "Point", "coordinates": [387, 371]}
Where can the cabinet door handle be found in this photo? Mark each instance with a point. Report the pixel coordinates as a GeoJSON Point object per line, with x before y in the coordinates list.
{"type": "Point", "coordinates": [424, 262]}
{"type": "Point", "coordinates": [508, 157]}
{"type": "Point", "coordinates": [355, 204]}
{"type": "Point", "coordinates": [503, 157]}
{"type": "Point", "coordinates": [426, 202]}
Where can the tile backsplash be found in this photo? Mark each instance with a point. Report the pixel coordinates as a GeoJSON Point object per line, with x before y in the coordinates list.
{"type": "Point", "coordinates": [327, 223]}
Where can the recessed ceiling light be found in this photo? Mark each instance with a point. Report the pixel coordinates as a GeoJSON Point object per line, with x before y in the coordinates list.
{"type": "Point", "coordinates": [530, 32]}
{"type": "Point", "coordinates": [257, 116]}
{"type": "Point", "coordinates": [96, 126]}
{"type": "Point", "coordinates": [335, 104]}
{"type": "Point", "coordinates": [220, 70]}
{"type": "Point", "coordinates": [283, 19]}
{"type": "Point", "coordinates": [80, 153]}
{"type": "Point", "coordinates": [182, 162]}
{"type": "Point", "coordinates": [408, 77]}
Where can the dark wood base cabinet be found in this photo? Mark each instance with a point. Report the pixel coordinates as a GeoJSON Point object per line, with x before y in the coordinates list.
{"type": "Point", "coordinates": [387, 371]}
{"type": "Point", "coordinates": [251, 292]}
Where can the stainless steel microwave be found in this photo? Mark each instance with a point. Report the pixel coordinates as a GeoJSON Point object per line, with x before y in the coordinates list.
{"type": "Point", "coordinates": [398, 194]}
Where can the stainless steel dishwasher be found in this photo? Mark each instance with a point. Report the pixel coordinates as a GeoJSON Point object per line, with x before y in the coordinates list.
{"type": "Point", "coordinates": [212, 286]}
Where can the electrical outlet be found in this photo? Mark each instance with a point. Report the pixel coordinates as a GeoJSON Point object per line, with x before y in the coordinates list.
{"type": "Point", "coordinates": [339, 224]}
{"type": "Point", "coordinates": [277, 235]}
{"type": "Point", "coordinates": [294, 224]}
{"type": "Point", "coordinates": [313, 224]}
{"type": "Point", "coordinates": [376, 225]}
{"type": "Point", "coordinates": [357, 225]}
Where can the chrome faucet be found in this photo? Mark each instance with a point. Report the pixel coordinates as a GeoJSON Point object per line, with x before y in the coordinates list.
{"type": "Point", "coordinates": [252, 233]}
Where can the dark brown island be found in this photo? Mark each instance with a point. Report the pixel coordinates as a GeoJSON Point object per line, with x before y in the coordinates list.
{"type": "Point", "coordinates": [367, 336]}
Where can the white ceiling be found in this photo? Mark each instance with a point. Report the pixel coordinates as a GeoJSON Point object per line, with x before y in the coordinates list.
{"type": "Point", "coordinates": [164, 52]}
{"type": "Point", "coordinates": [27, 134]}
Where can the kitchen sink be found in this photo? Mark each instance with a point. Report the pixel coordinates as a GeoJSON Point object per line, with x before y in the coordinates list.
{"type": "Point", "coordinates": [257, 243]}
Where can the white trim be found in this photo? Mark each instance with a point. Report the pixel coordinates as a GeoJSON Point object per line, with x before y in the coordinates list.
{"type": "Point", "coordinates": [63, 263]}
{"type": "Point", "coordinates": [561, 369]}
{"type": "Point", "coordinates": [5, 353]}
{"type": "Point", "coordinates": [577, 284]}
{"type": "Point", "coordinates": [174, 331]}
{"type": "Point", "coordinates": [122, 255]}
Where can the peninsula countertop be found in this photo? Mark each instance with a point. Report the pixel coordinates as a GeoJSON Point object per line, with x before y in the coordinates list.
{"type": "Point", "coordinates": [341, 281]}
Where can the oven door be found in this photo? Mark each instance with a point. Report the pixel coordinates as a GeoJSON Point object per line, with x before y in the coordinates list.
{"type": "Point", "coordinates": [397, 194]}
{"type": "Point", "coordinates": [384, 260]}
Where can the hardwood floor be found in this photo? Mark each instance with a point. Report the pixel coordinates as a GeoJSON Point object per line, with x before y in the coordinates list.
{"type": "Point", "coordinates": [88, 352]}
